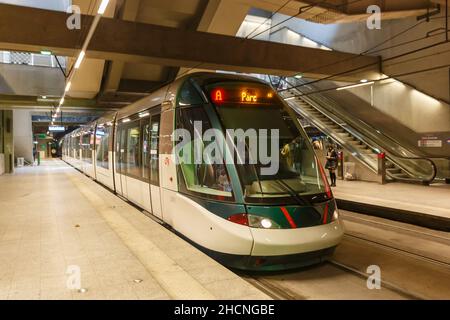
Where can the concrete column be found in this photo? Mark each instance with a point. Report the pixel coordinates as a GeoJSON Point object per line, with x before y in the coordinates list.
{"type": "Point", "coordinates": [23, 135]}
{"type": "Point", "coordinates": [7, 145]}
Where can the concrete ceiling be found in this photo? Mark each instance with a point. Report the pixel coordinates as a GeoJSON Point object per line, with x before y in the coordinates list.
{"type": "Point", "coordinates": [117, 82]}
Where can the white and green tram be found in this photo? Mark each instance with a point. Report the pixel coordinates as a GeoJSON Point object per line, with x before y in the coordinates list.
{"type": "Point", "coordinates": [242, 213]}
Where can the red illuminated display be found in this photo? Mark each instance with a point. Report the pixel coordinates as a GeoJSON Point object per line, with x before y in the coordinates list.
{"type": "Point", "coordinates": [242, 95]}
{"type": "Point", "coordinates": [217, 95]}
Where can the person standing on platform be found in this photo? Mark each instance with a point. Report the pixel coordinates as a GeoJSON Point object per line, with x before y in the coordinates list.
{"type": "Point", "coordinates": [331, 164]}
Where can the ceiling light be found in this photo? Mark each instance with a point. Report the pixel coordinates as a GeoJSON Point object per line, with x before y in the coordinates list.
{"type": "Point", "coordinates": [102, 8]}
{"type": "Point", "coordinates": [126, 120]}
{"type": "Point", "coordinates": [143, 115]}
{"type": "Point", "coordinates": [298, 76]}
{"type": "Point", "coordinates": [44, 97]}
{"type": "Point", "coordinates": [290, 98]}
{"type": "Point", "coordinates": [364, 81]}
{"type": "Point", "coordinates": [46, 52]}
{"type": "Point", "coordinates": [61, 102]}
{"type": "Point", "coordinates": [68, 85]}
{"type": "Point", "coordinates": [80, 59]}
{"type": "Point", "coordinates": [355, 86]}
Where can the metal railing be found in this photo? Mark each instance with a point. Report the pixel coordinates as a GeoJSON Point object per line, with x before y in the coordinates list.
{"type": "Point", "coordinates": [32, 59]}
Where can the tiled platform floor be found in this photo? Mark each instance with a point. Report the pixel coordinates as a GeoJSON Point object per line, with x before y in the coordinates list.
{"type": "Point", "coordinates": [53, 217]}
{"type": "Point", "coordinates": [433, 199]}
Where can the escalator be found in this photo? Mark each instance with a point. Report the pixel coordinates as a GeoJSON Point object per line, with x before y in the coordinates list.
{"type": "Point", "coordinates": [357, 137]}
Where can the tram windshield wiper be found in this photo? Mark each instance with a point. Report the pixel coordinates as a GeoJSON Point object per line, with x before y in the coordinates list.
{"type": "Point", "coordinates": [301, 201]}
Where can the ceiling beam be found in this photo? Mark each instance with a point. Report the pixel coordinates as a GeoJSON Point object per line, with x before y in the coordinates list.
{"type": "Point", "coordinates": [31, 29]}
{"type": "Point", "coordinates": [36, 102]}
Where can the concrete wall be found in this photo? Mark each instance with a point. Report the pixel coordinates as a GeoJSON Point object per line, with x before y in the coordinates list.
{"type": "Point", "coordinates": [28, 80]}
{"type": "Point", "coordinates": [399, 126]}
{"type": "Point", "coordinates": [57, 5]}
{"type": "Point", "coordinates": [412, 108]}
{"type": "Point", "coordinates": [23, 135]}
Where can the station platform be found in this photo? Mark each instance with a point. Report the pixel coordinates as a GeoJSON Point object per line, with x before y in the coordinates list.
{"type": "Point", "coordinates": [53, 218]}
{"type": "Point", "coordinates": [419, 202]}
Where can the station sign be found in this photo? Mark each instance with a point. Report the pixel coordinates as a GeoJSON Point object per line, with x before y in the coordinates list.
{"type": "Point", "coordinates": [56, 128]}
{"type": "Point", "coordinates": [430, 142]}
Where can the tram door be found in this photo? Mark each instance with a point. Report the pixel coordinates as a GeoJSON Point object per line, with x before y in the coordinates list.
{"type": "Point", "coordinates": [120, 157]}
{"type": "Point", "coordinates": [155, 192]}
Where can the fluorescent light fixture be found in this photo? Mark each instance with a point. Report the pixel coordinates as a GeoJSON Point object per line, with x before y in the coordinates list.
{"type": "Point", "coordinates": [80, 59]}
{"type": "Point", "coordinates": [46, 52]}
{"type": "Point", "coordinates": [298, 76]}
{"type": "Point", "coordinates": [356, 86]}
{"type": "Point", "coordinates": [126, 120]}
{"type": "Point", "coordinates": [364, 81]}
{"type": "Point", "coordinates": [290, 98]}
{"type": "Point", "coordinates": [44, 97]}
{"type": "Point", "coordinates": [143, 115]}
{"type": "Point", "coordinates": [103, 5]}
{"type": "Point", "coordinates": [56, 129]}
{"type": "Point", "coordinates": [68, 85]}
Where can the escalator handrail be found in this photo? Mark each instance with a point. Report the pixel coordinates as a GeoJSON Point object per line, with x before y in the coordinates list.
{"type": "Point", "coordinates": [329, 132]}
{"type": "Point", "coordinates": [389, 156]}
{"type": "Point", "coordinates": [396, 155]}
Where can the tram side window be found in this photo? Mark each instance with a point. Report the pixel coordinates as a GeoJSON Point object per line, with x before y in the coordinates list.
{"type": "Point", "coordinates": [132, 160]}
{"type": "Point", "coordinates": [120, 151]}
{"type": "Point", "coordinates": [139, 142]}
{"type": "Point", "coordinates": [77, 147]}
{"type": "Point", "coordinates": [146, 146]}
{"type": "Point", "coordinates": [102, 139]}
{"type": "Point", "coordinates": [154, 149]}
{"type": "Point", "coordinates": [86, 148]}
{"type": "Point", "coordinates": [209, 179]}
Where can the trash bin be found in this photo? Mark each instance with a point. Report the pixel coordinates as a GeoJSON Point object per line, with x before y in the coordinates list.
{"type": "Point", "coordinates": [20, 162]}
{"type": "Point", "coordinates": [349, 171]}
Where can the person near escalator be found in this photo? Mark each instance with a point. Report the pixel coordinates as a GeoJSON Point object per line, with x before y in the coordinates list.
{"type": "Point", "coordinates": [331, 164]}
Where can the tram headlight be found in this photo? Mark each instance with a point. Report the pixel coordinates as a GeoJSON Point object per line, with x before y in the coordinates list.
{"type": "Point", "coordinates": [262, 222]}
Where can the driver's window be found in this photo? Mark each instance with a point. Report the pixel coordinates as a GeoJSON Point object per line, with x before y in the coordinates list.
{"type": "Point", "coordinates": [204, 177]}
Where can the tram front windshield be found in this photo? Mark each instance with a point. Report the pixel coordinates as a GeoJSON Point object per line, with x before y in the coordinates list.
{"type": "Point", "coordinates": [286, 169]}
